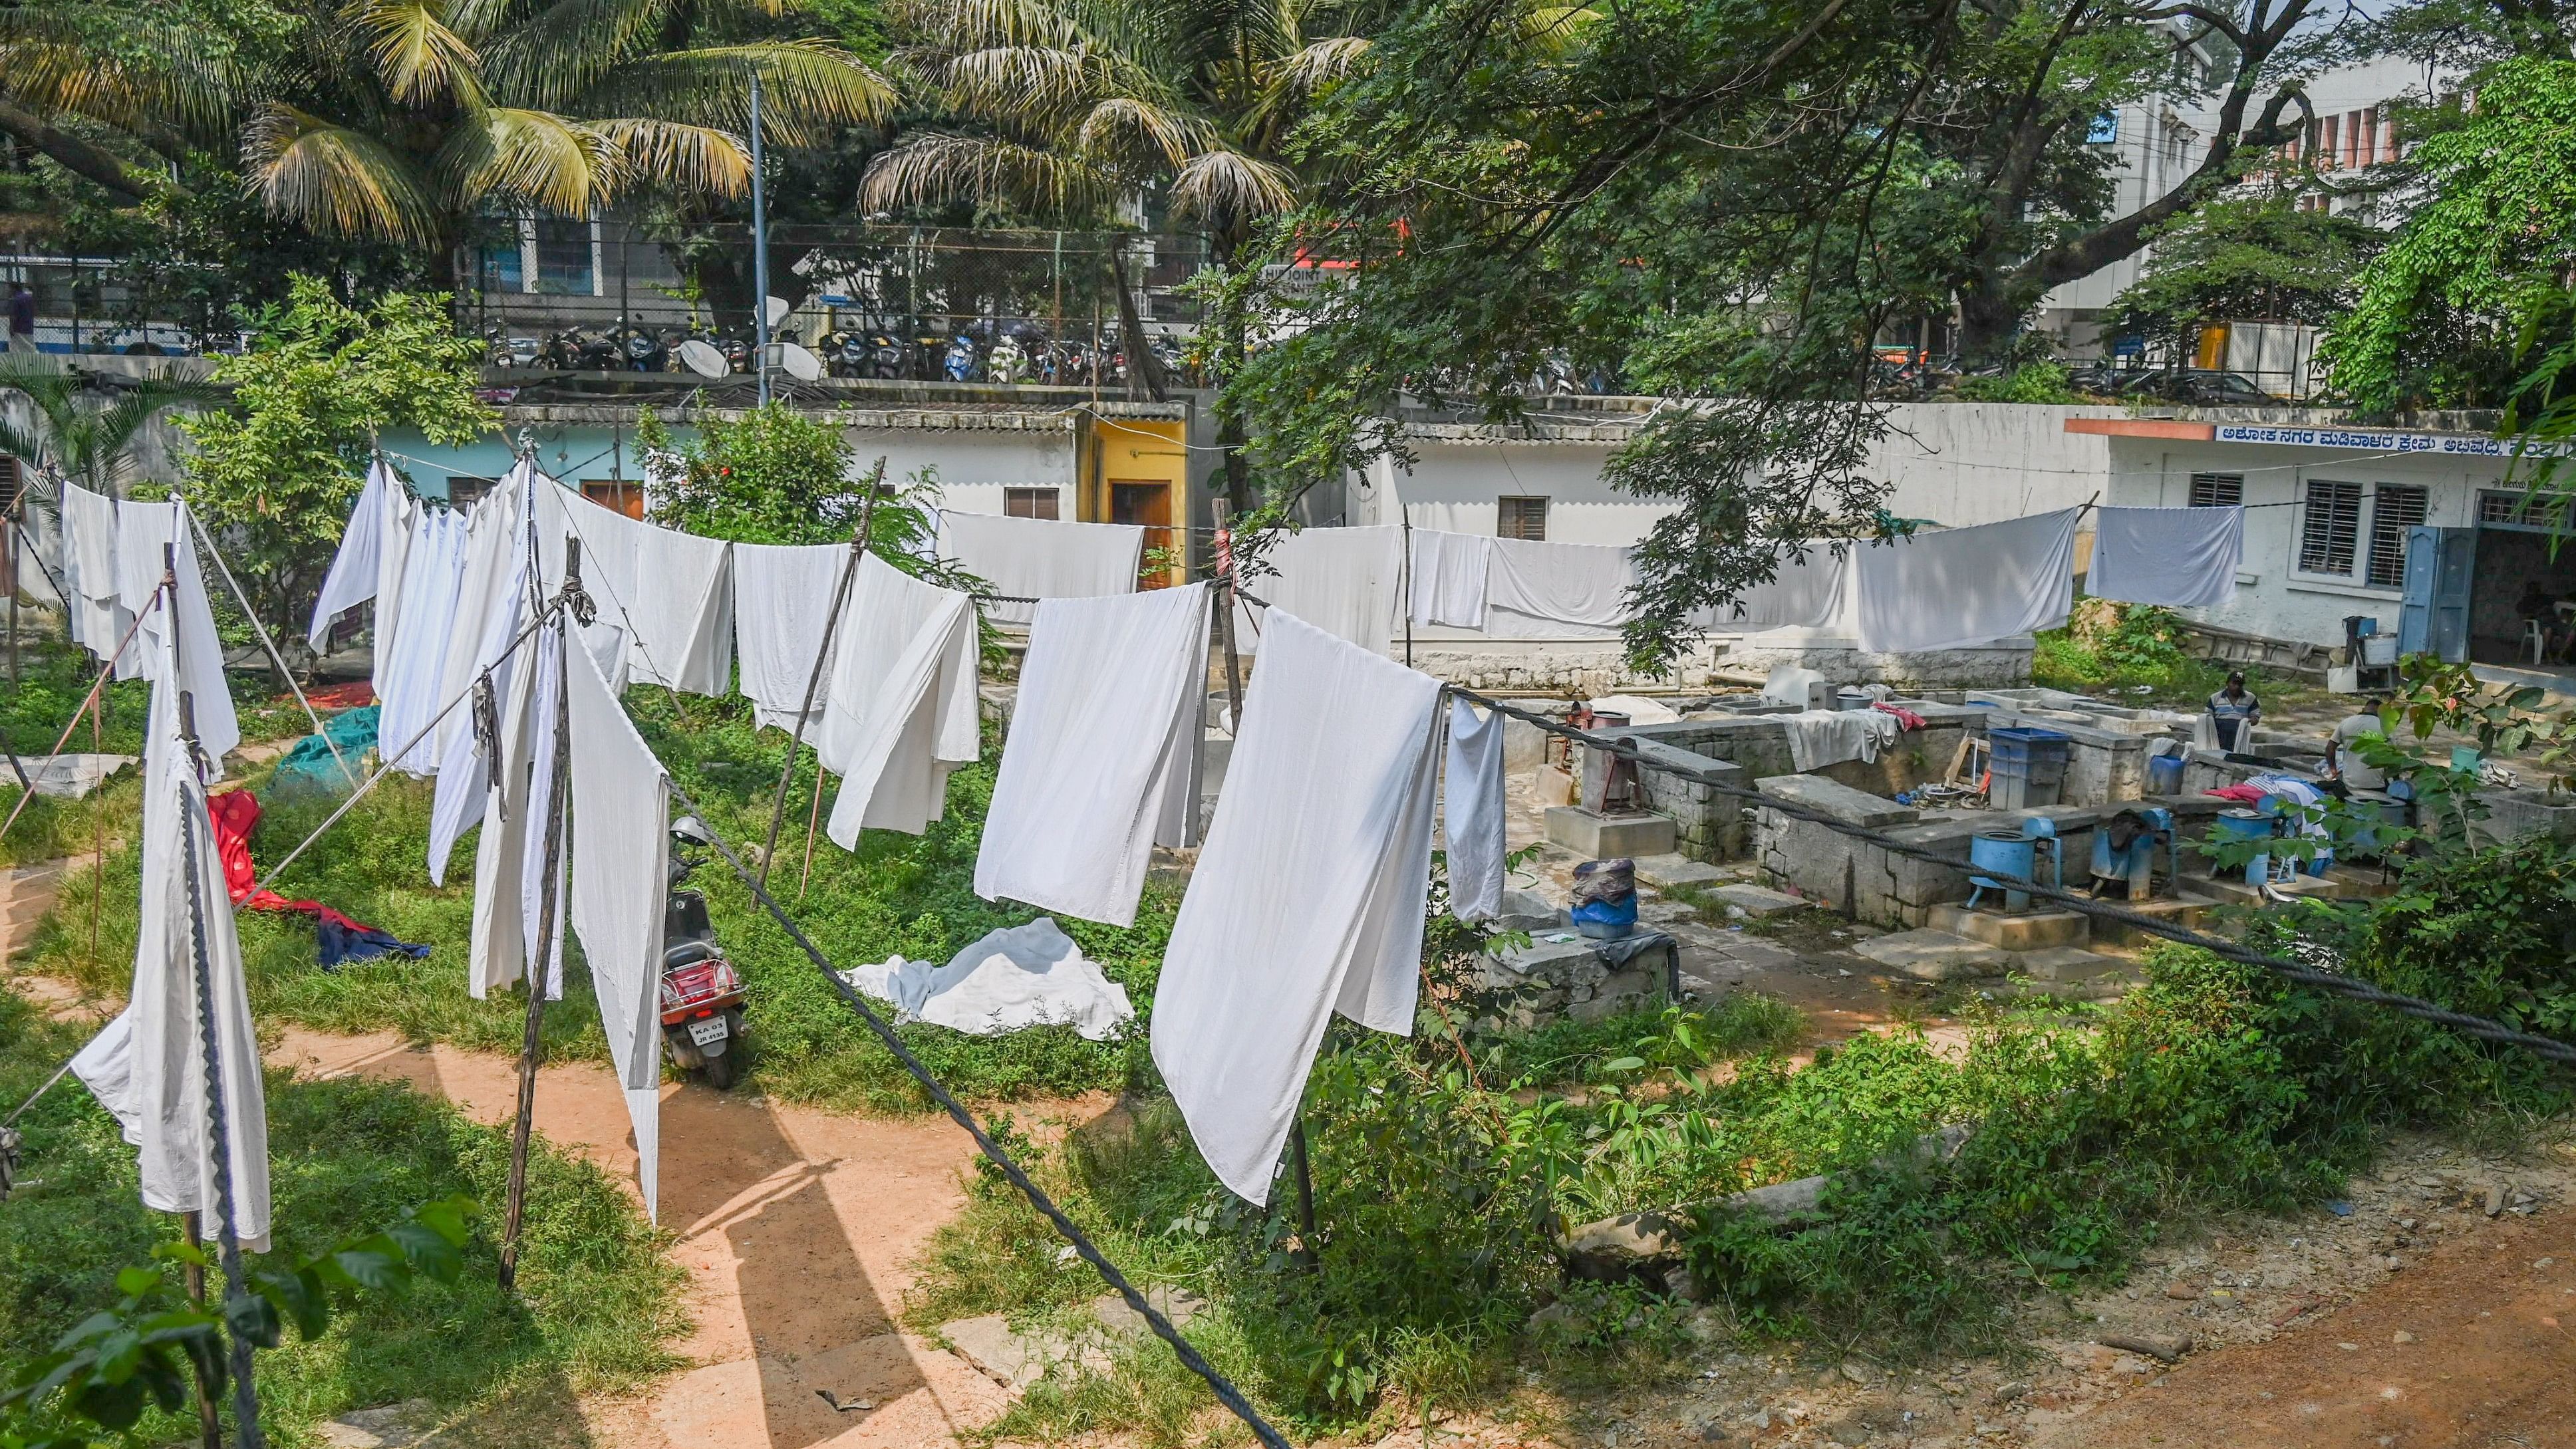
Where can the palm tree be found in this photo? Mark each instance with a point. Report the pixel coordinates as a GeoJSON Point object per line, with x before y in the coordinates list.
{"type": "Point", "coordinates": [1075, 109]}
{"type": "Point", "coordinates": [68, 433]}
{"type": "Point", "coordinates": [404, 119]}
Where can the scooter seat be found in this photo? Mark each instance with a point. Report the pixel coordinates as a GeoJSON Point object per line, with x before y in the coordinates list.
{"type": "Point", "coordinates": [686, 953]}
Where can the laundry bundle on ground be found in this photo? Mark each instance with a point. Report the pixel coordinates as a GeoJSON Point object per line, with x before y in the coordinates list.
{"type": "Point", "coordinates": [1309, 893]}
{"type": "Point", "coordinates": [2175, 557]}
{"type": "Point", "coordinates": [337, 939]}
{"type": "Point", "coordinates": [1100, 765]}
{"type": "Point", "coordinates": [1018, 977]}
{"type": "Point", "coordinates": [1041, 558]}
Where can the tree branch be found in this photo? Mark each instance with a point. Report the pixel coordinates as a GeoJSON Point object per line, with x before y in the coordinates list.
{"type": "Point", "coordinates": [82, 158]}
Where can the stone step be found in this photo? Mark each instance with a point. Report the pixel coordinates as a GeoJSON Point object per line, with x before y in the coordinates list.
{"type": "Point", "coordinates": [2074, 971]}
{"type": "Point", "coordinates": [1935, 955]}
{"type": "Point", "coordinates": [1756, 901]}
{"type": "Point", "coordinates": [1610, 837]}
{"type": "Point", "coordinates": [2185, 911]}
{"type": "Point", "coordinates": [2025, 931]}
{"type": "Point", "coordinates": [1677, 873]}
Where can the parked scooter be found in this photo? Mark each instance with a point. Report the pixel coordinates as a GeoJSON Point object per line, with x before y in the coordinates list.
{"type": "Point", "coordinates": [1009, 362]}
{"type": "Point", "coordinates": [702, 994]}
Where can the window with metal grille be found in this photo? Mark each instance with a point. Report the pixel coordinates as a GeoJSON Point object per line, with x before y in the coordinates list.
{"type": "Point", "coordinates": [1029, 503]}
{"type": "Point", "coordinates": [2217, 490]}
{"type": "Point", "coordinates": [2332, 528]}
{"type": "Point", "coordinates": [461, 492]}
{"type": "Point", "coordinates": [2395, 508]}
{"type": "Point", "coordinates": [1524, 518]}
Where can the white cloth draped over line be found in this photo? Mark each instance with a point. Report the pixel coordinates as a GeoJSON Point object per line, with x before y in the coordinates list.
{"type": "Point", "coordinates": [1042, 558]}
{"type": "Point", "coordinates": [1449, 578]}
{"type": "Point", "coordinates": [1309, 893]}
{"type": "Point", "coordinates": [1957, 587]}
{"type": "Point", "coordinates": [509, 855]}
{"type": "Point", "coordinates": [902, 710]}
{"type": "Point", "coordinates": [1562, 583]}
{"type": "Point", "coordinates": [1821, 737]}
{"type": "Point", "coordinates": [1098, 769]}
{"type": "Point", "coordinates": [2174, 557]}
{"type": "Point", "coordinates": [487, 621]}
{"type": "Point", "coordinates": [1805, 592]}
{"type": "Point", "coordinates": [621, 824]}
{"type": "Point", "coordinates": [1347, 582]}
{"type": "Point", "coordinates": [167, 1077]}
{"type": "Point", "coordinates": [354, 568]}
{"type": "Point", "coordinates": [1473, 813]}
{"type": "Point", "coordinates": [97, 616]}
{"type": "Point", "coordinates": [411, 664]}
{"type": "Point", "coordinates": [782, 599]}
{"type": "Point", "coordinates": [106, 1067]}
{"type": "Point", "coordinates": [152, 538]}
{"type": "Point", "coordinates": [671, 593]}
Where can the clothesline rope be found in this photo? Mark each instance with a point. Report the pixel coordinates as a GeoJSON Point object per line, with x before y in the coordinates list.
{"type": "Point", "coordinates": [2329, 982]}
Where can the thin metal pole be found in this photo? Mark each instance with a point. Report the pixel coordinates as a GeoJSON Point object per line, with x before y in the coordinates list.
{"type": "Point", "coordinates": [1405, 516]}
{"type": "Point", "coordinates": [759, 252]}
{"type": "Point", "coordinates": [218, 1124]}
{"type": "Point", "coordinates": [535, 976]}
{"type": "Point", "coordinates": [822, 657]}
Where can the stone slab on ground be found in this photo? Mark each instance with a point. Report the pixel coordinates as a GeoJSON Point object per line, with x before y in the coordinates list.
{"type": "Point", "coordinates": [2022, 931]}
{"type": "Point", "coordinates": [1177, 1305]}
{"type": "Point", "coordinates": [1015, 1359]}
{"type": "Point", "coordinates": [1528, 911]}
{"type": "Point", "coordinates": [1930, 955]}
{"type": "Point", "coordinates": [2074, 971]}
{"type": "Point", "coordinates": [2184, 911]}
{"type": "Point", "coordinates": [1842, 802]}
{"type": "Point", "coordinates": [1610, 837]}
{"type": "Point", "coordinates": [1677, 873]}
{"type": "Point", "coordinates": [387, 1426]}
{"type": "Point", "coordinates": [1757, 901]}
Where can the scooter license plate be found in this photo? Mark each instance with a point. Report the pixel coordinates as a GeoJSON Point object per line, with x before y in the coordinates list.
{"type": "Point", "coordinates": [709, 1031]}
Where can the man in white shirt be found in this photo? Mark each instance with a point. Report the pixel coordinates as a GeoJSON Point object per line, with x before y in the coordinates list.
{"type": "Point", "coordinates": [2343, 755]}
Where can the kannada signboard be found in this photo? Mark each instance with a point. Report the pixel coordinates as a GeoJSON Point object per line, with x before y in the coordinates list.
{"type": "Point", "coordinates": [2387, 440]}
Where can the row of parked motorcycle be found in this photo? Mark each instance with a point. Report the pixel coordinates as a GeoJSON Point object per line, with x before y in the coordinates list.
{"type": "Point", "coordinates": [921, 352]}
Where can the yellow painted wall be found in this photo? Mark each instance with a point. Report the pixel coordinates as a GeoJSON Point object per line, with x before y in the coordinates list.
{"type": "Point", "coordinates": [1128, 450]}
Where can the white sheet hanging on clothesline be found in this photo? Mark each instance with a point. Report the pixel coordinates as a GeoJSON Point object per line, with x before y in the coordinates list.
{"type": "Point", "coordinates": [1041, 558]}
{"type": "Point", "coordinates": [1309, 893]}
{"type": "Point", "coordinates": [1449, 577]}
{"type": "Point", "coordinates": [671, 593]}
{"type": "Point", "coordinates": [509, 855]}
{"type": "Point", "coordinates": [782, 599]}
{"type": "Point", "coordinates": [902, 710]}
{"type": "Point", "coordinates": [1958, 587]}
{"type": "Point", "coordinates": [356, 566]}
{"type": "Point", "coordinates": [412, 662]}
{"type": "Point", "coordinates": [1099, 766]}
{"type": "Point", "coordinates": [1347, 582]}
{"type": "Point", "coordinates": [96, 617]}
{"type": "Point", "coordinates": [1583, 584]}
{"type": "Point", "coordinates": [621, 840]}
{"type": "Point", "coordinates": [151, 539]}
{"type": "Point", "coordinates": [1473, 813]}
{"type": "Point", "coordinates": [167, 1078]}
{"type": "Point", "coordinates": [488, 619]}
{"type": "Point", "coordinates": [2175, 557]}
{"type": "Point", "coordinates": [106, 1067]}
{"type": "Point", "coordinates": [1805, 592]}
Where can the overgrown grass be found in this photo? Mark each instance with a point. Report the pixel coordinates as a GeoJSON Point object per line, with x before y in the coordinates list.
{"type": "Point", "coordinates": [896, 894]}
{"type": "Point", "coordinates": [2133, 652]}
{"type": "Point", "coordinates": [597, 1302]}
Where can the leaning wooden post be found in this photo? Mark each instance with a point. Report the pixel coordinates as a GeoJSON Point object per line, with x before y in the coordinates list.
{"type": "Point", "coordinates": [1225, 606]}
{"type": "Point", "coordinates": [535, 974]}
{"type": "Point", "coordinates": [822, 657]}
{"type": "Point", "coordinates": [210, 1423]}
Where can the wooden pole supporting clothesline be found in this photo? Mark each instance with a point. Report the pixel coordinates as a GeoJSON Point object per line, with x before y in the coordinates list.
{"type": "Point", "coordinates": [536, 975]}
{"type": "Point", "coordinates": [814, 679]}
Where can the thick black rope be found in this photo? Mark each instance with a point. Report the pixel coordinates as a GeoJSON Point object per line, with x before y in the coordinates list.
{"type": "Point", "coordinates": [2332, 983]}
{"type": "Point", "coordinates": [1226, 1393]}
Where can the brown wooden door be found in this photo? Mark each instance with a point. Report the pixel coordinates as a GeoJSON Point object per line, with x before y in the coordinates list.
{"type": "Point", "coordinates": [1148, 504]}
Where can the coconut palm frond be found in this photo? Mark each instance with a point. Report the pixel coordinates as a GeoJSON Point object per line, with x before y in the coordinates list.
{"type": "Point", "coordinates": [161, 77]}
{"type": "Point", "coordinates": [1129, 127]}
{"type": "Point", "coordinates": [1226, 189]}
{"type": "Point", "coordinates": [700, 159]}
{"type": "Point", "coordinates": [806, 89]}
{"type": "Point", "coordinates": [560, 50]}
{"type": "Point", "coordinates": [1320, 64]}
{"type": "Point", "coordinates": [1028, 82]}
{"type": "Point", "coordinates": [419, 58]}
{"type": "Point", "coordinates": [977, 24]}
{"type": "Point", "coordinates": [931, 167]}
{"type": "Point", "coordinates": [1555, 29]}
{"type": "Point", "coordinates": [334, 179]}
{"type": "Point", "coordinates": [534, 158]}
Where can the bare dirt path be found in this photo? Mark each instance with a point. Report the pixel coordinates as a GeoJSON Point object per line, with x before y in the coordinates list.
{"type": "Point", "coordinates": [794, 1225]}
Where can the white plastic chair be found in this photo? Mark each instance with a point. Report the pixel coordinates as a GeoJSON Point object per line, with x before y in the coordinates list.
{"type": "Point", "coordinates": [2535, 637]}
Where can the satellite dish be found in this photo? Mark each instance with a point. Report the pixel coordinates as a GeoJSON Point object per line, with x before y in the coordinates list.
{"type": "Point", "coordinates": [703, 360]}
{"type": "Point", "coordinates": [778, 310]}
{"type": "Point", "coordinates": [799, 364]}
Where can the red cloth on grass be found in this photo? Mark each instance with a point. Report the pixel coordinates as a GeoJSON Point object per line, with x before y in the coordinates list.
{"type": "Point", "coordinates": [235, 813]}
{"type": "Point", "coordinates": [354, 695]}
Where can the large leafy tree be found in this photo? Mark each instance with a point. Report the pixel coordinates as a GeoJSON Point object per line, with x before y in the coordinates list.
{"type": "Point", "coordinates": [2245, 259]}
{"type": "Point", "coordinates": [1074, 111]}
{"type": "Point", "coordinates": [278, 470]}
{"type": "Point", "coordinates": [404, 119]}
{"type": "Point", "coordinates": [1726, 204]}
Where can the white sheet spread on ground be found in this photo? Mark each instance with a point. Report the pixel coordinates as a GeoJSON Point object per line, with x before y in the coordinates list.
{"type": "Point", "coordinates": [1804, 593]}
{"type": "Point", "coordinates": [1959, 587]}
{"type": "Point", "coordinates": [509, 855]}
{"type": "Point", "coordinates": [488, 619]}
{"type": "Point", "coordinates": [354, 568]}
{"type": "Point", "coordinates": [1449, 577]}
{"type": "Point", "coordinates": [1041, 558]}
{"type": "Point", "coordinates": [106, 1067]}
{"type": "Point", "coordinates": [1089, 783]}
{"type": "Point", "coordinates": [1020, 976]}
{"type": "Point", "coordinates": [782, 595]}
{"type": "Point", "coordinates": [1309, 893]}
{"type": "Point", "coordinates": [1562, 583]}
{"type": "Point", "coordinates": [1344, 581]}
{"type": "Point", "coordinates": [1822, 737]}
{"type": "Point", "coordinates": [621, 840]}
{"type": "Point", "coordinates": [97, 619]}
{"type": "Point", "coordinates": [902, 711]}
{"type": "Point", "coordinates": [1473, 812]}
{"type": "Point", "coordinates": [410, 665]}
{"type": "Point", "coordinates": [2176, 557]}
{"type": "Point", "coordinates": [175, 1157]}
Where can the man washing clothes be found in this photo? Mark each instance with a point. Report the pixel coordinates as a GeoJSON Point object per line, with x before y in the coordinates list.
{"type": "Point", "coordinates": [2233, 710]}
{"type": "Point", "coordinates": [2343, 757]}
